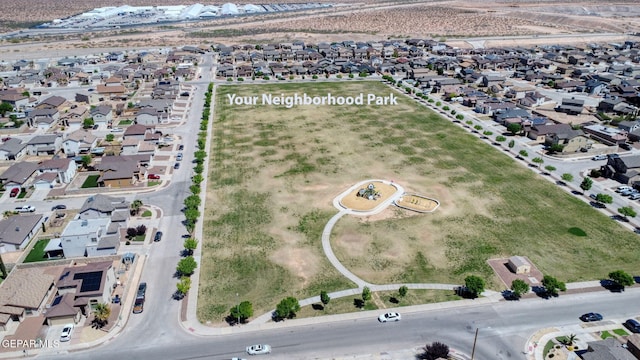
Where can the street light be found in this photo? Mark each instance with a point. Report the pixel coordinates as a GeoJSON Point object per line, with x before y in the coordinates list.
{"type": "Point", "coordinates": [238, 308]}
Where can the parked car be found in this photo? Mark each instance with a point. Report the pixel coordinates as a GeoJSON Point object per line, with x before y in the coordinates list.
{"type": "Point", "coordinates": [142, 290]}
{"type": "Point", "coordinates": [117, 130]}
{"type": "Point", "coordinates": [634, 196]}
{"type": "Point", "coordinates": [14, 192]}
{"type": "Point", "coordinates": [180, 147]}
{"type": "Point", "coordinates": [588, 317]}
{"type": "Point", "coordinates": [66, 332]}
{"type": "Point", "coordinates": [26, 208]}
{"type": "Point", "coordinates": [259, 349]}
{"type": "Point", "coordinates": [625, 146]}
{"type": "Point", "coordinates": [623, 188]}
{"type": "Point", "coordinates": [626, 192]}
{"type": "Point", "coordinates": [176, 166]}
{"type": "Point", "coordinates": [390, 316]}
{"type": "Point", "coordinates": [138, 306]}
{"type": "Point", "coordinates": [599, 157]}
{"type": "Point", "coordinates": [179, 157]}
{"type": "Point", "coordinates": [633, 325]}
{"type": "Point", "coordinates": [158, 236]}
{"type": "Point", "coordinates": [153, 176]}
{"type": "Point", "coordinates": [59, 207]}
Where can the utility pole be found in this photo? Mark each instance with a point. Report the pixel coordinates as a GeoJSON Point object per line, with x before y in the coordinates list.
{"type": "Point", "coordinates": [473, 351]}
{"type": "Point", "coordinates": [238, 309]}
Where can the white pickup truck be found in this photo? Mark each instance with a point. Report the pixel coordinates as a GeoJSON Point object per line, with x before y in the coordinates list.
{"type": "Point", "coordinates": [26, 208]}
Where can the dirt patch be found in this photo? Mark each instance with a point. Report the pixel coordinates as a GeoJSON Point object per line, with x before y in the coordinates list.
{"type": "Point", "coordinates": [417, 202]}
{"type": "Point", "coordinates": [379, 193]}
{"type": "Point", "coordinates": [302, 262]}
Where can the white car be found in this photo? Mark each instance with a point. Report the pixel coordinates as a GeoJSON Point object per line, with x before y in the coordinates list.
{"type": "Point", "coordinates": [66, 332]}
{"type": "Point", "coordinates": [390, 316]}
{"type": "Point", "coordinates": [258, 349]}
{"type": "Point", "coordinates": [237, 358]}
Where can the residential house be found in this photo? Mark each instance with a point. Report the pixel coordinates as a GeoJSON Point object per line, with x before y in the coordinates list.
{"type": "Point", "coordinates": [43, 118]}
{"type": "Point", "coordinates": [73, 118]}
{"type": "Point", "coordinates": [90, 98]}
{"type": "Point", "coordinates": [572, 141]}
{"type": "Point", "coordinates": [607, 349]}
{"type": "Point", "coordinates": [54, 102]}
{"type": "Point", "coordinates": [17, 100]}
{"type": "Point", "coordinates": [88, 237]}
{"type": "Point", "coordinates": [64, 168]}
{"type": "Point", "coordinates": [571, 106]}
{"type": "Point", "coordinates": [103, 206]}
{"type": "Point", "coordinates": [148, 116]}
{"type": "Point", "coordinates": [121, 171]}
{"type": "Point", "coordinates": [17, 230]}
{"type": "Point", "coordinates": [27, 289]}
{"type": "Point", "coordinates": [606, 135]}
{"type": "Point", "coordinates": [42, 145]}
{"type": "Point", "coordinates": [137, 131]}
{"type": "Point", "coordinates": [79, 289]}
{"type": "Point", "coordinates": [102, 115]}
{"type": "Point", "coordinates": [625, 170]}
{"type": "Point", "coordinates": [12, 149]}
{"type": "Point", "coordinates": [79, 142]}
{"type": "Point", "coordinates": [18, 175]}
{"type": "Point", "coordinates": [538, 133]}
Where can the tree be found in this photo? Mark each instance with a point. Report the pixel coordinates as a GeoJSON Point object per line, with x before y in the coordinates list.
{"type": "Point", "coordinates": [538, 160]}
{"type": "Point", "coordinates": [552, 285]}
{"type": "Point", "coordinates": [550, 168]}
{"type": "Point", "coordinates": [109, 137]}
{"type": "Point", "coordinates": [403, 291]}
{"type": "Point", "coordinates": [87, 123]}
{"type": "Point", "coordinates": [366, 294]}
{"type": "Point", "coordinates": [436, 350]}
{"type": "Point", "coordinates": [474, 285]}
{"type": "Point", "coordinates": [241, 312]}
{"type": "Point", "coordinates": [5, 107]}
{"type": "Point", "coordinates": [192, 201]}
{"type": "Point", "coordinates": [567, 177]}
{"type": "Point", "coordinates": [135, 207]}
{"type": "Point", "coordinates": [187, 265]}
{"type": "Point", "coordinates": [519, 287]}
{"type": "Point", "coordinates": [627, 211]}
{"type": "Point", "coordinates": [511, 144]}
{"type": "Point", "coordinates": [141, 230]}
{"type": "Point", "coordinates": [556, 148]}
{"type": "Point", "coordinates": [190, 245]}
{"type": "Point", "coordinates": [586, 184]}
{"type": "Point", "coordinates": [131, 233]}
{"type": "Point", "coordinates": [183, 286]}
{"type": "Point", "coordinates": [514, 128]}
{"type": "Point", "coordinates": [85, 160]}
{"type": "Point", "coordinates": [523, 153]}
{"type": "Point", "coordinates": [287, 308]}
{"type": "Point", "coordinates": [621, 278]}
{"type": "Point", "coordinates": [324, 297]}
{"type": "Point", "coordinates": [604, 198]}
{"type": "Point", "coordinates": [101, 314]}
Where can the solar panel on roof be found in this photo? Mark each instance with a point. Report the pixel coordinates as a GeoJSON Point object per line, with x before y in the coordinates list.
{"type": "Point", "coordinates": [90, 281]}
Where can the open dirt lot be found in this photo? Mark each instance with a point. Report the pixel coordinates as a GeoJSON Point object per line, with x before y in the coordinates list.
{"type": "Point", "coordinates": [359, 21]}
{"type": "Point", "coordinates": [275, 171]}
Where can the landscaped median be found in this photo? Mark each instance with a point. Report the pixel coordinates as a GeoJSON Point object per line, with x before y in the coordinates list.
{"type": "Point", "coordinates": [275, 169]}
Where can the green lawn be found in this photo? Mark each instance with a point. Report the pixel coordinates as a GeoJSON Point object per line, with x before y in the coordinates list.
{"type": "Point", "coordinates": [22, 193]}
{"type": "Point", "coordinates": [274, 172]}
{"type": "Point", "coordinates": [147, 213]}
{"type": "Point", "coordinates": [37, 252]}
{"type": "Point", "coordinates": [125, 122]}
{"type": "Point", "coordinates": [380, 300]}
{"type": "Point", "coordinates": [153, 183]}
{"type": "Point", "coordinates": [91, 182]}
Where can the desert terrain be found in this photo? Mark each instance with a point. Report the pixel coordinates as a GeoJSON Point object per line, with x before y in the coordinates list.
{"type": "Point", "coordinates": [451, 21]}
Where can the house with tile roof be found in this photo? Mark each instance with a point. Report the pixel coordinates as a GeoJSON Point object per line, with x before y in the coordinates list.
{"type": "Point", "coordinates": [79, 142]}
{"type": "Point", "coordinates": [17, 230]}
{"type": "Point", "coordinates": [42, 145]}
{"type": "Point", "coordinates": [18, 175]}
{"type": "Point", "coordinates": [64, 168]}
{"type": "Point", "coordinates": [13, 149]}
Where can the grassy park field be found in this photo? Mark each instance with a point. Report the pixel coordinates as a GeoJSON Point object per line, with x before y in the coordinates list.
{"type": "Point", "coordinates": [275, 170]}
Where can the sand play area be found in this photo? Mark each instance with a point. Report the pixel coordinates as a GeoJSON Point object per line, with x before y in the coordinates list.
{"type": "Point", "coordinates": [380, 192]}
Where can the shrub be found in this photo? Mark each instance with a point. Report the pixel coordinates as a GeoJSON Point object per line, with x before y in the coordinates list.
{"type": "Point", "coordinates": [141, 230]}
